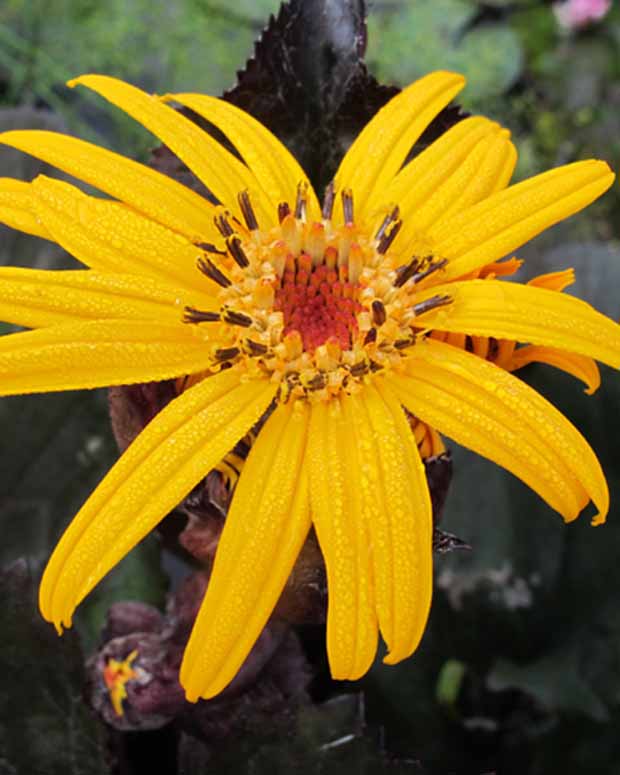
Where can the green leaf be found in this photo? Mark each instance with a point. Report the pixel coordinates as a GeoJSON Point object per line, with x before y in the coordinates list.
{"type": "Point", "coordinates": [406, 44]}
{"type": "Point", "coordinates": [45, 727]}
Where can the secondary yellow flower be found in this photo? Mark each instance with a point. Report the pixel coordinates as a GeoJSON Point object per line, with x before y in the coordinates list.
{"type": "Point", "coordinates": [317, 321]}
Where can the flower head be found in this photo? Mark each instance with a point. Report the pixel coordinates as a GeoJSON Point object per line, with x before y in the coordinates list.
{"type": "Point", "coordinates": [330, 330]}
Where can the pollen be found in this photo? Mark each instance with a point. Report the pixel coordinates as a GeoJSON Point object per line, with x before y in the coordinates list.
{"type": "Point", "coordinates": [314, 305]}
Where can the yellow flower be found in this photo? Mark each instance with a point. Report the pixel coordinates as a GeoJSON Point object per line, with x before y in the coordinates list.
{"type": "Point", "coordinates": [317, 320]}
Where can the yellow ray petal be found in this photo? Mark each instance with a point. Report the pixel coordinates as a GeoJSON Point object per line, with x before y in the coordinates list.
{"type": "Point", "coordinates": [395, 496]}
{"type": "Point", "coordinates": [34, 298]}
{"type": "Point", "coordinates": [579, 366]}
{"type": "Point", "coordinates": [525, 313]}
{"type": "Point", "coordinates": [155, 473]}
{"type": "Point", "coordinates": [497, 415]}
{"type": "Point", "coordinates": [264, 531]}
{"type": "Point", "coordinates": [98, 353]}
{"type": "Point", "coordinates": [111, 237]}
{"type": "Point", "coordinates": [470, 181]}
{"type": "Point", "coordinates": [223, 174]}
{"type": "Point", "coordinates": [17, 209]}
{"type": "Point", "coordinates": [275, 169]}
{"type": "Point", "coordinates": [342, 530]}
{"type": "Point", "coordinates": [420, 177]}
{"type": "Point", "coordinates": [506, 220]}
{"type": "Point", "coordinates": [381, 148]}
{"type": "Point", "coordinates": [148, 191]}
{"type": "Point", "coordinates": [406, 526]}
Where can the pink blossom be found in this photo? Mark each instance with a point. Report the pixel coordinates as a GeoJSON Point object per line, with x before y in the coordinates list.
{"type": "Point", "coordinates": [574, 14]}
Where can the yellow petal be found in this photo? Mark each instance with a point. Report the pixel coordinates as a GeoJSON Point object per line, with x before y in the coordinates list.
{"type": "Point", "coordinates": [159, 468]}
{"type": "Point", "coordinates": [495, 414]}
{"type": "Point", "coordinates": [340, 521]}
{"type": "Point", "coordinates": [111, 237]}
{"type": "Point", "coordinates": [579, 366]}
{"type": "Point", "coordinates": [17, 209]}
{"type": "Point", "coordinates": [148, 191]}
{"type": "Point", "coordinates": [494, 227]}
{"type": "Point", "coordinates": [401, 528]}
{"type": "Point", "coordinates": [525, 313]}
{"type": "Point", "coordinates": [265, 529]}
{"type": "Point", "coordinates": [275, 169]}
{"type": "Point", "coordinates": [472, 180]}
{"type": "Point", "coordinates": [34, 298]}
{"type": "Point", "coordinates": [223, 174]}
{"type": "Point", "coordinates": [98, 353]}
{"type": "Point", "coordinates": [381, 148]}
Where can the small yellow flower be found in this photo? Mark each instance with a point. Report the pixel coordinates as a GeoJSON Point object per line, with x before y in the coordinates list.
{"type": "Point", "coordinates": [116, 674]}
{"type": "Point", "coordinates": [326, 321]}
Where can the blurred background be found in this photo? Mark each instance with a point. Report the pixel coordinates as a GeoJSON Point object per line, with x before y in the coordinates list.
{"type": "Point", "coordinates": [519, 671]}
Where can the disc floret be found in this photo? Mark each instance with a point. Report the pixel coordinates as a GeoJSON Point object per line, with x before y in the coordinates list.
{"type": "Point", "coordinates": [314, 305]}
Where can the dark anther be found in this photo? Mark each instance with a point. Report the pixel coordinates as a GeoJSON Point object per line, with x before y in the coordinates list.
{"type": "Point", "coordinates": [318, 382]}
{"type": "Point", "coordinates": [328, 202]}
{"type": "Point", "coordinates": [301, 201]}
{"type": "Point", "coordinates": [284, 209]}
{"type": "Point", "coordinates": [412, 270]}
{"type": "Point", "coordinates": [378, 312]}
{"type": "Point", "coordinates": [358, 369]}
{"type": "Point", "coordinates": [208, 247]}
{"type": "Point", "coordinates": [401, 344]}
{"type": "Point", "coordinates": [389, 218]}
{"type": "Point", "coordinates": [248, 211]}
{"type": "Point", "coordinates": [237, 252]}
{"type": "Point", "coordinates": [406, 271]}
{"type": "Point", "coordinates": [389, 237]}
{"type": "Point", "coordinates": [223, 225]}
{"type": "Point", "coordinates": [432, 303]}
{"type": "Point", "coordinates": [193, 315]}
{"type": "Point", "coordinates": [371, 336]}
{"type": "Point", "coordinates": [433, 267]}
{"type": "Point", "coordinates": [347, 205]}
{"type": "Point", "coordinates": [237, 318]}
{"type": "Point", "coordinates": [227, 353]}
{"type": "Point", "coordinates": [493, 349]}
{"type": "Point", "coordinates": [374, 366]}
{"type": "Point", "coordinates": [255, 348]}
{"type": "Point", "coordinates": [208, 268]}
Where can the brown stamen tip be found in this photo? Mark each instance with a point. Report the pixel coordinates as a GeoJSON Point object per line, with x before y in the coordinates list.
{"type": "Point", "coordinates": [226, 353]}
{"type": "Point", "coordinates": [406, 272]}
{"type": "Point", "coordinates": [237, 318]}
{"type": "Point", "coordinates": [248, 211]}
{"type": "Point", "coordinates": [371, 336]}
{"type": "Point", "coordinates": [374, 366]}
{"type": "Point", "coordinates": [432, 303]}
{"type": "Point", "coordinates": [255, 348]}
{"type": "Point", "coordinates": [237, 252]}
{"type": "Point", "coordinates": [389, 219]}
{"type": "Point", "coordinates": [284, 209]}
{"type": "Point", "coordinates": [328, 202]}
{"type": "Point", "coordinates": [209, 247]}
{"type": "Point", "coordinates": [301, 201]}
{"type": "Point", "coordinates": [208, 268]}
{"type": "Point", "coordinates": [223, 225]}
{"type": "Point", "coordinates": [193, 315]}
{"type": "Point", "coordinates": [347, 206]}
{"type": "Point", "coordinates": [389, 237]}
{"type": "Point", "coordinates": [378, 312]}
{"type": "Point", "coordinates": [401, 344]}
{"type": "Point", "coordinates": [359, 369]}
{"type": "Point", "coordinates": [433, 267]}
{"type": "Point", "coordinates": [317, 383]}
